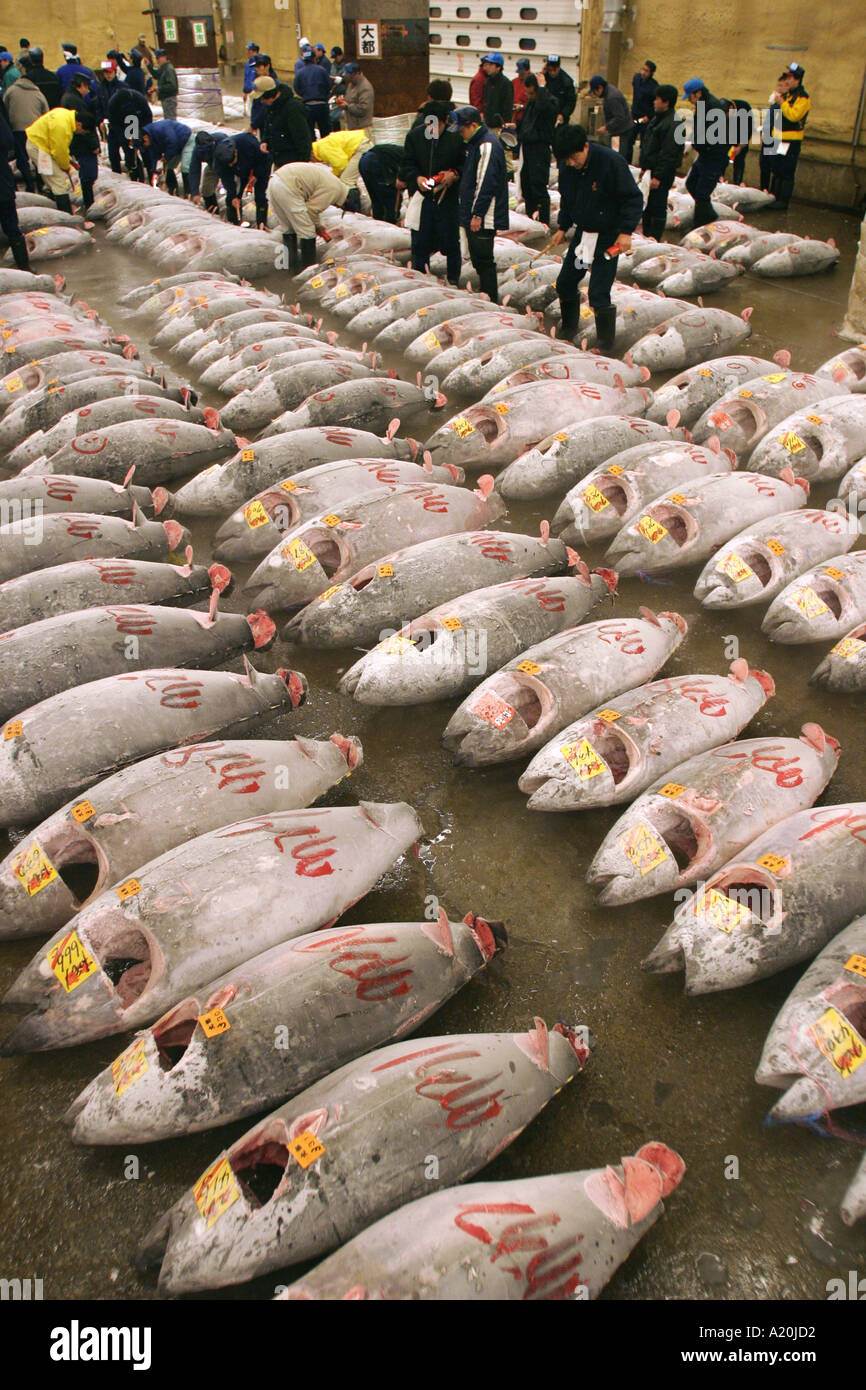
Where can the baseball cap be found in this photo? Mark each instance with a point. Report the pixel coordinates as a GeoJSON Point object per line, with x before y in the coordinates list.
{"type": "Point", "coordinates": [4, 53]}
{"type": "Point", "coordinates": [694, 84]}
{"type": "Point", "coordinates": [160, 53]}
{"type": "Point", "coordinates": [108, 65]}
{"type": "Point", "coordinates": [522, 65]}
{"type": "Point", "coordinates": [597, 81]}
{"type": "Point", "coordinates": [36, 54]}
{"type": "Point", "coordinates": [553, 58]}
{"type": "Point", "coordinates": [204, 140]}
{"type": "Point", "coordinates": [264, 84]}
{"type": "Point", "coordinates": [224, 153]}
{"type": "Point", "coordinates": [69, 47]}
{"type": "Point", "coordinates": [335, 50]}
{"type": "Point", "coordinates": [262, 58]}
{"type": "Point", "coordinates": [350, 69]}
{"type": "Point", "coordinates": [494, 58]}
{"type": "Point", "coordinates": [319, 45]}
{"type": "Point", "coordinates": [252, 45]}
{"type": "Point", "coordinates": [796, 70]}
{"type": "Point", "coordinates": [464, 115]}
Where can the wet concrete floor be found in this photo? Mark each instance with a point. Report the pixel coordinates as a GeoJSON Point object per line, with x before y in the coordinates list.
{"type": "Point", "coordinates": [666, 1067]}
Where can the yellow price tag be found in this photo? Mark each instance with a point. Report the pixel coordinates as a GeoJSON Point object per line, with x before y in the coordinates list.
{"type": "Point", "coordinates": [773, 863]}
{"type": "Point", "coordinates": [642, 848]}
{"type": "Point", "coordinates": [129, 1066]}
{"type": "Point", "coordinates": [583, 758]}
{"type": "Point", "coordinates": [609, 716]}
{"type": "Point", "coordinates": [385, 571]}
{"type": "Point", "coordinates": [129, 889]}
{"type": "Point", "coordinates": [317, 282]}
{"type": "Point", "coordinates": [13, 730]}
{"type": "Point", "coordinates": [857, 963]}
{"type": "Point", "coordinates": [734, 567]}
{"type": "Point", "coordinates": [774, 377]}
{"type": "Point", "coordinates": [255, 514]}
{"type": "Point", "coordinates": [816, 419]}
{"type": "Point", "coordinates": [215, 1191]}
{"type": "Point", "coordinates": [430, 341]}
{"type": "Point", "coordinates": [397, 645]}
{"type": "Point", "coordinates": [792, 442]}
{"type": "Point", "coordinates": [839, 1041]}
{"type": "Point", "coordinates": [745, 393]}
{"type": "Point", "coordinates": [615, 469]}
{"type": "Point", "coordinates": [288, 486]}
{"type": "Point", "coordinates": [704, 371]}
{"type": "Point", "coordinates": [331, 520]}
{"type": "Point", "coordinates": [82, 811]}
{"type": "Point", "coordinates": [306, 1148]}
{"type": "Point", "coordinates": [501, 408]}
{"type": "Point", "coordinates": [720, 910]}
{"type": "Point", "coordinates": [33, 869]}
{"type": "Point", "coordinates": [70, 961]}
{"type": "Point", "coordinates": [341, 291]}
{"type": "Point", "coordinates": [561, 436]}
{"type": "Point", "coordinates": [247, 455]}
{"type": "Point", "coordinates": [595, 498]}
{"type": "Point", "coordinates": [460, 425]}
{"type": "Point", "coordinates": [672, 789]}
{"type": "Point", "coordinates": [452, 624]}
{"type": "Point", "coordinates": [213, 1023]}
{"type": "Point", "coordinates": [530, 668]}
{"type": "Point", "coordinates": [809, 603]}
{"type": "Point", "coordinates": [833, 572]}
{"type": "Point", "coordinates": [422, 313]}
{"type": "Point", "coordinates": [651, 529]}
{"type": "Point", "coordinates": [14, 383]}
{"type": "Point", "coordinates": [848, 648]}
{"type": "Point", "coordinates": [776, 547]}
{"type": "Point", "coordinates": [329, 593]}
{"type": "Point", "coordinates": [300, 554]}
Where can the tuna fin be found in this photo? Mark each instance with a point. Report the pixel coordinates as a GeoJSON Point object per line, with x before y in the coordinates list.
{"type": "Point", "coordinates": [643, 1188]}
{"type": "Point", "coordinates": [747, 314]}
{"type": "Point", "coordinates": [453, 470]}
{"type": "Point", "coordinates": [645, 373]}
{"type": "Point", "coordinates": [220, 577]}
{"type": "Point", "coordinates": [675, 618]}
{"type": "Point", "coordinates": [331, 337]}
{"type": "Point", "coordinates": [220, 998]}
{"type": "Point", "coordinates": [783, 357]}
{"type": "Point", "coordinates": [545, 532]}
{"type": "Point", "coordinates": [787, 476]}
{"type": "Point", "coordinates": [393, 426]}
{"type": "Point", "coordinates": [160, 500]}
{"type": "Point", "coordinates": [628, 360]}
{"type": "Point", "coordinates": [211, 417]}
{"type": "Point", "coordinates": [713, 444]}
{"type": "Point", "coordinates": [505, 302]}
{"type": "Point", "coordinates": [831, 241]}
{"type": "Point", "coordinates": [536, 1044]}
{"type": "Point", "coordinates": [649, 616]}
{"type": "Point", "coordinates": [485, 486]}
{"type": "Point", "coordinates": [174, 531]}
{"type": "Point", "coordinates": [700, 301]}
{"type": "Point", "coordinates": [573, 558]}
{"type": "Point", "coordinates": [263, 628]}
{"type": "Point", "coordinates": [814, 736]}
{"type": "Point", "coordinates": [427, 461]}
{"type": "Point", "coordinates": [739, 670]}
{"type": "Point", "coordinates": [610, 577]}
{"type": "Point", "coordinates": [212, 606]}
{"type": "Point", "coordinates": [242, 441]}
{"type": "Point", "coordinates": [311, 1123]}
{"type": "Point", "coordinates": [673, 419]}
{"type": "Point", "coordinates": [583, 343]}
{"type": "Point", "coordinates": [606, 1190]}
{"type": "Point", "coordinates": [128, 479]}
{"type": "Point", "coordinates": [667, 1161]}
{"type": "Point", "coordinates": [439, 932]}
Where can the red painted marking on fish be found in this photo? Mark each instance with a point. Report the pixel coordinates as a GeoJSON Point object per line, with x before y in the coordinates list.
{"type": "Point", "coordinates": [133, 620]}
{"type": "Point", "coordinates": [769, 758]}
{"type": "Point", "coordinates": [494, 549]}
{"type": "Point", "coordinates": [166, 431]}
{"type": "Point", "coordinates": [629, 638]}
{"type": "Point", "coordinates": [376, 976]}
{"type": "Point", "coordinates": [523, 1236]}
{"type": "Point", "coordinates": [552, 600]}
{"type": "Point", "coordinates": [113, 572]}
{"type": "Point", "coordinates": [179, 757]}
{"type": "Point", "coordinates": [430, 499]}
{"type": "Point", "coordinates": [338, 436]}
{"type": "Point", "coordinates": [305, 858]}
{"type": "Point", "coordinates": [856, 823]}
{"type": "Point", "coordinates": [828, 520]}
{"type": "Point", "coordinates": [83, 530]}
{"type": "Point", "coordinates": [242, 768]}
{"type": "Point", "coordinates": [764, 486]}
{"type": "Point", "coordinates": [89, 444]}
{"type": "Point", "coordinates": [700, 694]}
{"type": "Point", "coordinates": [61, 489]}
{"type": "Point", "coordinates": [179, 694]}
{"type": "Point", "coordinates": [422, 1052]}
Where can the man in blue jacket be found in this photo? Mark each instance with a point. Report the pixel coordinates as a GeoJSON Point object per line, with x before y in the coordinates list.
{"type": "Point", "coordinates": [483, 194]}
{"type": "Point", "coordinates": [202, 173]}
{"type": "Point", "coordinates": [597, 194]}
{"type": "Point", "coordinates": [313, 86]}
{"type": "Point", "coordinates": [711, 141]}
{"type": "Point", "coordinates": [237, 160]}
{"type": "Point", "coordinates": [165, 140]}
{"type": "Point", "coordinates": [250, 73]}
{"type": "Point", "coordinates": [71, 67]}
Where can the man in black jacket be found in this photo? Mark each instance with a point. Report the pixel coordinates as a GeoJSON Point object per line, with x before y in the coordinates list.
{"type": "Point", "coordinates": [560, 86]}
{"type": "Point", "coordinates": [498, 93]}
{"type": "Point", "coordinates": [128, 114]}
{"type": "Point", "coordinates": [8, 210]}
{"type": "Point", "coordinates": [536, 138]}
{"type": "Point", "coordinates": [380, 170]}
{"type": "Point", "coordinates": [84, 148]}
{"type": "Point", "coordinates": [433, 159]}
{"type": "Point", "coordinates": [483, 194]}
{"type": "Point", "coordinates": [661, 151]}
{"type": "Point", "coordinates": [597, 194]}
{"type": "Point", "coordinates": [644, 88]}
{"type": "Point", "coordinates": [282, 125]}
{"type": "Point", "coordinates": [710, 138]}
{"type": "Point", "coordinates": [617, 118]}
{"type": "Point", "coordinates": [44, 78]}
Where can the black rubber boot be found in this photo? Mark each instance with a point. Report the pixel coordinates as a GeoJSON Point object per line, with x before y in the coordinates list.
{"type": "Point", "coordinates": [605, 329]}
{"type": "Point", "coordinates": [86, 194]}
{"type": "Point", "coordinates": [186, 187]}
{"type": "Point", "coordinates": [704, 212]}
{"type": "Point", "coordinates": [654, 227]}
{"type": "Point", "coordinates": [171, 182]}
{"type": "Point", "coordinates": [290, 241]}
{"type": "Point", "coordinates": [308, 252]}
{"type": "Point", "coordinates": [570, 325]}
{"type": "Point", "coordinates": [353, 201]}
{"type": "Point", "coordinates": [62, 201]}
{"type": "Point", "coordinates": [783, 190]}
{"type": "Point", "coordinates": [19, 253]}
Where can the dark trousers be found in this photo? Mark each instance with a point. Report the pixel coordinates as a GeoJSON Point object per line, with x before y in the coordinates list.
{"type": "Point", "coordinates": [601, 276]}
{"type": "Point", "coordinates": [439, 231]}
{"type": "Point", "coordinates": [738, 172]}
{"type": "Point", "coordinates": [481, 256]}
{"type": "Point", "coordinates": [12, 231]}
{"type": "Point", "coordinates": [655, 213]}
{"type": "Point", "coordinates": [383, 195]}
{"type": "Point", "coordinates": [534, 174]}
{"type": "Point", "coordinates": [778, 171]}
{"type": "Point", "coordinates": [318, 115]}
{"type": "Point", "coordinates": [88, 172]}
{"type": "Point", "coordinates": [702, 179]}
{"type": "Point", "coordinates": [626, 143]}
{"type": "Point", "coordinates": [131, 157]}
{"type": "Point", "coordinates": [21, 159]}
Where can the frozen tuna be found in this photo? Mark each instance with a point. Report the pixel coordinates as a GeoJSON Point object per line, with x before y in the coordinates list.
{"type": "Point", "coordinates": [824, 603]}
{"type": "Point", "coordinates": [759, 562]}
{"type": "Point", "coordinates": [563, 458]}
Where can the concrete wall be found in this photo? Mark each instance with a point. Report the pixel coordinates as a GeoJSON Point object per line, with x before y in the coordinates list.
{"type": "Point", "coordinates": [739, 48]}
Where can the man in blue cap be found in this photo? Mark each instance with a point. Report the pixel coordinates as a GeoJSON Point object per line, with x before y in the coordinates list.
{"type": "Point", "coordinates": [237, 161]}
{"type": "Point", "coordinates": [166, 140]}
{"type": "Point", "coordinates": [483, 194]}
{"type": "Point", "coordinates": [313, 86]}
{"type": "Point", "coordinates": [711, 141]}
{"type": "Point", "coordinates": [597, 194]}
{"type": "Point", "coordinates": [320, 57]}
{"type": "Point", "coordinates": [498, 93]}
{"type": "Point", "coordinates": [250, 73]}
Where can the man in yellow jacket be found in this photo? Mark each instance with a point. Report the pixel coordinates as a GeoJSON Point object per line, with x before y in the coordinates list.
{"type": "Point", "coordinates": [342, 151]}
{"type": "Point", "coordinates": [792, 103]}
{"type": "Point", "coordinates": [48, 141]}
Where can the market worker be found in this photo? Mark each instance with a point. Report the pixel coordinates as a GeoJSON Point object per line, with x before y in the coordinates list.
{"type": "Point", "coordinates": [661, 150]}
{"type": "Point", "coordinates": [299, 194]}
{"type": "Point", "coordinates": [779, 168]}
{"type": "Point", "coordinates": [561, 88]}
{"type": "Point", "coordinates": [48, 141]}
{"type": "Point", "coordinates": [483, 194]}
{"type": "Point", "coordinates": [710, 140]}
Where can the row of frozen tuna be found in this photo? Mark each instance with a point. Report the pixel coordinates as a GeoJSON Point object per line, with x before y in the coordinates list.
{"type": "Point", "coordinates": [48, 231]}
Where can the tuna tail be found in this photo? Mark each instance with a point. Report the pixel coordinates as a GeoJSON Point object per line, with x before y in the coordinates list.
{"type": "Point", "coordinates": [783, 357]}
{"type": "Point", "coordinates": [667, 1161]}
{"type": "Point", "coordinates": [545, 532]}
{"type": "Point", "coordinates": [174, 531]}
{"type": "Point", "coordinates": [485, 486]}
{"type": "Point", "coordinates": [220, 577]}
{"type": "Point", "coordinates": [351, 750]}
{"type": "Point", "coordinates": [814, 737]}
{"type": "Point", "coordinates": [261, 624]}
{"type": "Point", "coordinates": [427, 461]}
{"type": "Point", "coordinates": [393, 427]}
{"type": "Point", "coordinates": [211, 417]}
{"type": "Point", "coordinates": [160, 500]}
{"type": "Point", "coordinates": [747, 314]}
{"type": "Point", "coordinates": [713, 444]}
{"type": "Point", "coordinates": [439, 932]}
{"type": "Point", "coordinates": [581, 1040]}
{"type": "Point", "coordinates": [490, 937]}
{"type": "Point", "coordinates": [610, 578]}
{"type": "Point", "coordinates": [628, 1200]}
{"type": "Point", "coordinates": [673, 419]}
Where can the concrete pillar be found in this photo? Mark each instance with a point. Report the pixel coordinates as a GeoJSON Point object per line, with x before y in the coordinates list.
{"type": "Point", "coordinates": [854, 326]}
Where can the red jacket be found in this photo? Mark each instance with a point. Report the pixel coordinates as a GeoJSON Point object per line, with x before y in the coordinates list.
{"type": "Point", "coordinates": [520, 96]}
{"type": "Point", "coordinates": [476, 90]}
